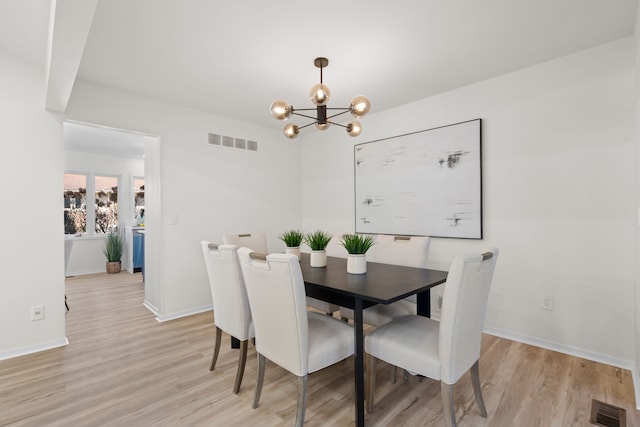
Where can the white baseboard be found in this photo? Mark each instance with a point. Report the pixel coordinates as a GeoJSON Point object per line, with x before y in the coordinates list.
{"type": "Point", "coordinates": [561, 348]}
{"type": "Point", "coordinates": [23, 351]}
{"type": "Point", "coordinates": [185, 313]}
{"type": "Point", "coordinates": [152, 308]}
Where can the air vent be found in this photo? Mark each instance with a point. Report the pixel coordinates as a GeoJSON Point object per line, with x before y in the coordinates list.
{"type": "Point", "coordinates": [216, 140]}
{"type": "Point", "coordinates": [227, 141]}
{"type": "Point", "coordinates": [606, 415]}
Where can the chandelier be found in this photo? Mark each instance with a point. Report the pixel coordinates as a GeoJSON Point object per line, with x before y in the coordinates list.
{"type": "Point", "coordinates": [320, 95]}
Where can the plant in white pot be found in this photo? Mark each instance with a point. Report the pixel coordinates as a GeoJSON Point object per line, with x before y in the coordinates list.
{"type": "Point", "coordinates": [357, 246]}
{"type": "Point", "coordinates": [113, 250]}
{"type": "Point", "coordinates": [318, 241]}
{"type": "Point", "coordinates": [292, 240]}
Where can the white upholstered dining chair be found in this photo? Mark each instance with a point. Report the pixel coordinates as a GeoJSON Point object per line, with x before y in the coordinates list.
{"type": "Point", "coordinates": [287, 334]}
{"type": "Point", "coordinates": [409, 251]}
{"type": "Point", "coordinates": [231, 306]}
{"type": "Point", "coordinates": [442, 350]}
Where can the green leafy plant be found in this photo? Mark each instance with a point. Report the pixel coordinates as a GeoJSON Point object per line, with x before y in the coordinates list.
{"type": "Point", "coordinates": [292, 238]}
{"type": "Point", "coordinates": [357, 244]}
{"type": "Point", "coordinates": [318, 240]}
{"type": "Point", "coordinates": [114, 246]}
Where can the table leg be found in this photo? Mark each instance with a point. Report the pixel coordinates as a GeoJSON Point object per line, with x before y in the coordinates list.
{"type": "Point", "coordinates": [424, 303]}
{"type": "Point", "coordinates": [358, 331]}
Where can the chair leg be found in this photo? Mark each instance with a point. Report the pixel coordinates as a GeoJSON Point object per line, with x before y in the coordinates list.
{"type": "Point", "coordinates": [242, 361]}
{"type": "Point", "coordinates": [394, 374]}
{"type": "Point", "coordinates": [477, 389]}
{"type": "Point", "coordinates": [371, 383]}
{"type": "Point", "coordinates": [302, 400]}
{"type": "Point", "coordinates": [216, 349]}
{"type": "Point", "coordinates": [256, 395]}
{"type": "Point", "coordinates": [405, 375]}
{"type": "Point", "coordinates": [65, 302]}
{"type": "Point", "coordinates": [447, 404]}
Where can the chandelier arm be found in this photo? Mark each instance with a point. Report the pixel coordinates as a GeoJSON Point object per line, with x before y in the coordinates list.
{"type": "Point", "coordinates": [307, 125]}
{"type": "Point", "coordinates": [337, 114]}
{"type": "Point", "coordinates": [337, 124]}
{"type": "Point", "coordinates": [304, 115]}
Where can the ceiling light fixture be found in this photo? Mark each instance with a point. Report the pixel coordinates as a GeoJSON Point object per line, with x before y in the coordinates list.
{"type": "Point", "coordinates": [320, 95]}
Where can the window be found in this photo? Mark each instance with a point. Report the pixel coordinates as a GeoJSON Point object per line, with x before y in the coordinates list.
{"type": "Point", "coordinates": [106, 204]}
{"type": "Point", "coordinates": [138, 200]}
{"type": "Point", "coordinates": [103, 218]}
{"type": "Point", "coordinates": [75, 209]}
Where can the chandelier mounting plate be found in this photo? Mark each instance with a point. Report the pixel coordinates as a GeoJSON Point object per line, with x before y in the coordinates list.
{"type": "Point", "coordinates": [320, 62]}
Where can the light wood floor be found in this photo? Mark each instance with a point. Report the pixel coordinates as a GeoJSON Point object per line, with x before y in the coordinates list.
{"type": "Point", "coordinates": [123, 368]}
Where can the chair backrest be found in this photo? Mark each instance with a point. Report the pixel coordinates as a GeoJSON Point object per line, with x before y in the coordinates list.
{"type": "Point", "coordinates": [255, 241]}
{"type": "Point", "coordinates": [409, 251]}
{"type": "Point", "coordinates": [230, 303]}
{"type": "Point", "coordinates": [464, 305]}
{"type": "Point", "coordinates": [278, 305]}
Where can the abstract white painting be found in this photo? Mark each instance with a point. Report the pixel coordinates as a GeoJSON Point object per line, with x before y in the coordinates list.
{"type": "Point", "coordinates": [426, 183]}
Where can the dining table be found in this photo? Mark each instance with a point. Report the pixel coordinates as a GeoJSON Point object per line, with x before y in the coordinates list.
{"type": "Point", "coordinates": [381, 284]}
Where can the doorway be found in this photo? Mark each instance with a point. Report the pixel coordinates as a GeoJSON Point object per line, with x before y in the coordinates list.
{"type": "Point", "coordinates": [93, 149]}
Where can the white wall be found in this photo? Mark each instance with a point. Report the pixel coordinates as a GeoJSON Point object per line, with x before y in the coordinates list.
{"type": "Point", "coordinates": [210, 190]}
{"type": "Point", "coordinates": [86, 255]}
{"type": "Point", "coordinates": [557, 168]}
{"type": "Point", "coordinates": [32, 256]}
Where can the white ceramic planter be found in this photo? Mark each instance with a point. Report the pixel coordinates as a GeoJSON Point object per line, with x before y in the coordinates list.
{"type": "Point", "coordinates": [295, 251]}
{"type": "Point", "coordinates": [356, 264]}
{"type": "Point", "coordinates": [318, 258]}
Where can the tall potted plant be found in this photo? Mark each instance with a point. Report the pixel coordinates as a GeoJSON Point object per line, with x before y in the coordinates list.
{"type": "Point", "coordinates": [113, 250]}
{"type": "Point", "coordinates": [357, 246]}
{"type": "Point", "coordinates": [292, 240]}
{"type": "Point", "coordinates": [318, 241]}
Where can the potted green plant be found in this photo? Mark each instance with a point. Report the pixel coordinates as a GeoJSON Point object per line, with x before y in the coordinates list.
{"type": "Point", "coordinates": [292, 240]}
{"type": "Point", "coordinates": [318, 241]}
{"type": "Point", "coordinates": [357, 246]}
{"type": "Point", "coordinates": [113, 250]}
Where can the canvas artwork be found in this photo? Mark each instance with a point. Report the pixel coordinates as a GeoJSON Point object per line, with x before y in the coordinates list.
{"type": "Point", "coordinates": [426, 183]}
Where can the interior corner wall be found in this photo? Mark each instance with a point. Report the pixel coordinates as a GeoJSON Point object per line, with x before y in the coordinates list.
{"type": "Point", "coordinates": [557, 195]}
{"type": "Point", "coordinates": [32, 256]}
{"type": "Point", "coordinates": [205, 190]}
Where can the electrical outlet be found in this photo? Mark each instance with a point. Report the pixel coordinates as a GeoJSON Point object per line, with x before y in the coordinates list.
{"type": "Point", "coordinates": [37, 312]}
{"type": "Point", "coordinates": [547, 302]}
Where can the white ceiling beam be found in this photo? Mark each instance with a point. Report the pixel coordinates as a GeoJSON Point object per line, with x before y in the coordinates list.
{"type": "Point", "coordinates": [69, 26]}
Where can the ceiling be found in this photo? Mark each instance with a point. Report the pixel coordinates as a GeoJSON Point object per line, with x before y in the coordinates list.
{"type": "Point", "coordinates": [235, 58]}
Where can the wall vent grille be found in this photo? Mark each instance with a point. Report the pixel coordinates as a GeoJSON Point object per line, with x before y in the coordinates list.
{"type": "Point", "coordinates": [227, 141]}
{"type": "Point", "coordinates": [216, 140]}
{"type": "Point", "coordinates": [607, 415]}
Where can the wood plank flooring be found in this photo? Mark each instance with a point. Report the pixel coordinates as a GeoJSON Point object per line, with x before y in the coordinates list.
{"type": "Point", "coordinates": [123, 368]}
